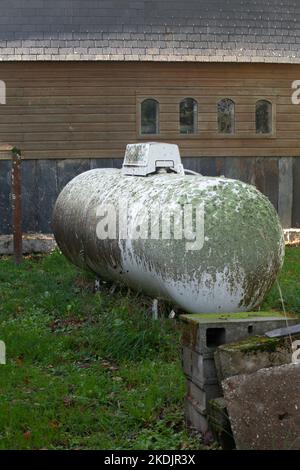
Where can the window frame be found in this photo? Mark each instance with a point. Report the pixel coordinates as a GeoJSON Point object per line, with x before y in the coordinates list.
{"type": "Point", "coordinates": [140, 101]}
{"type": "Point", "coordinates": [272, 134]}
{"type": "Point", "coordinates": [196, 118]}
{"type": "Point", "coordinates": [227, 135]}
{"type": "Point", "coordinates": [244, 105]}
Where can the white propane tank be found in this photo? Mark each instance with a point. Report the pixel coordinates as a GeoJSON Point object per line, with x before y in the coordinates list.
{"type": "Point", "coordinates": [205, 244]}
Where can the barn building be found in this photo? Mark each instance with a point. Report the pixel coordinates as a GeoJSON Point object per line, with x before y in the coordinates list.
{"type": "Point", "coordinates": [84, 78]}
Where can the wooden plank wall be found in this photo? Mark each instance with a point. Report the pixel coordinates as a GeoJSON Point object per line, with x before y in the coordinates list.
{"type": "Point", "coordinates": [89, 110]}
{"type": "Point", "coordinates": [69, 117]}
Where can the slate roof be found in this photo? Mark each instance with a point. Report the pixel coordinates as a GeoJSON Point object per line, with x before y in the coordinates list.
{"type": "Point", "coordinates": [155, 30]}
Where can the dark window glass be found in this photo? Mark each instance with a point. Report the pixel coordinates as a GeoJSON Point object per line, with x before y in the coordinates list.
{"type": "Point", "coordinates": [226, 116]}
{"type": "Point", "coordinates": [149, 116]}
{"type": "Point", "coordinates": [188, 116]}
{"type": "Point", "coordinates": [263, 117]}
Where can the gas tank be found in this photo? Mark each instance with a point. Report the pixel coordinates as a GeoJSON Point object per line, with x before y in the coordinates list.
{"type": "Point", "coordinates": [204, 244]}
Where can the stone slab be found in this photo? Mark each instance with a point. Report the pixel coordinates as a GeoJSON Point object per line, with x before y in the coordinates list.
{"type": "Point", "coordinates": [198, 368]}
{"type": "Point", "coordinates": [264, 408]}
{"type": "Point", "coordinates": [32, 243]}
{"type": "Point", "coordinates": [252, 354]}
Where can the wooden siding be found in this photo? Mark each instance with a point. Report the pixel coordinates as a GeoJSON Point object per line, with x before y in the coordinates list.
{"type": "Point", "coordinates": [90, 110]}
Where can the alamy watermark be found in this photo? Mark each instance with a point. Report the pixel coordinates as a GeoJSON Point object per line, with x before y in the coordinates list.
{"type": "Point", "coordinates": [178, 222]}
{"type": "Point", "coordinates": [296, 92]}
{"type": "Point", "coordinates": [2, 353]}
{"type": "Point", "coordinates": [296, 352]}
{"type": "Point", "coordinates": [2, 92]}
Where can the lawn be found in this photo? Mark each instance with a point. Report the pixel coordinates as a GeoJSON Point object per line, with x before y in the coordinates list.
{"type": "Point", "coordinates": [92, 370]}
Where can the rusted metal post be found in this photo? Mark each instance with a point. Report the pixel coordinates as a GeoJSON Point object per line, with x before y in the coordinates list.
{"type": "Point", "coordinates": [16, 204]}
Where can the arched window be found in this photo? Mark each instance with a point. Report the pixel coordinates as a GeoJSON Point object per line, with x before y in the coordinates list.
{"type": "Point", "coordinates": [188, 110]}
{"type": "Point", "coordinates": [149, 116]}
{"type": "Point", "coordinates": [263, 117]}
{"type": "Point", "coordinates": [226, 117]}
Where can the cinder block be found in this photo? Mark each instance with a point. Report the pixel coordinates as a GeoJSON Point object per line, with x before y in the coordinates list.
{"type": "Point", "coordinates": [205, 332]}
{"type": "Point", "coordinates": [196, 366]}
{"type": "Point", "coordinates": [201, 396]}
{"type": "Point", "coordinates": [219, 424]}
{"type": "Point", "coordinates": [202, 335]}
{"type": "Point", "coordinates": [193, 416]}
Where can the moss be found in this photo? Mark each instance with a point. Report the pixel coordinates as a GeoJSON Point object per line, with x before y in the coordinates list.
{"type": "Point", "coordinates": [255, 344]}
{"type": "Point", "coordinates": [210, 317]}
{"type": "Point", "coordinates": [216, 405]}
{"type": "Point", "coordinates": [259, 344]}
{"type": "Point", "coordinates": [189, 335]}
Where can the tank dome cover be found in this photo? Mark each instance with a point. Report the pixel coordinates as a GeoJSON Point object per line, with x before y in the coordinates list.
{"type": "Point", "coordinates": [145, 159]}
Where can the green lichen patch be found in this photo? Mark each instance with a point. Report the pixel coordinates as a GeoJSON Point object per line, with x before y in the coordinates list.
{"type": "Point", "coordinates": [221, 317]}
{"type": "Point", "coordinates": [254, 344]}
{"type": "Point", "coordinates": [259, 344]}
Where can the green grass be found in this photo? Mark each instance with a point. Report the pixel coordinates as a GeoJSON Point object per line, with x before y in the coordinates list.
{"type": "Point", "coordinates": [85, 370]}
{"type": "Point", "coordinates": [90, 370]}
{"type": "Point", "coordinates": [289, 282]}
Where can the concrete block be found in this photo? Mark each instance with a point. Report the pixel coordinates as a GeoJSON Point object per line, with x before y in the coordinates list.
{"type": "Point", "coordinates": [205, 332]}
{"type": "Point", "coordinates": [219, 424]}
{"type": "Point", "coordinates": [195, 366]}
{"type": "Point", "coordinates": [194, 417]}
{"type": "Point", "coordinates": [252, 354]}
{"type": "Point", "coordinates": [292, 236]}
{"type": "Point", "coordinates": [264, 408]}
{"type": "Point", "coordinates": [202, 395]}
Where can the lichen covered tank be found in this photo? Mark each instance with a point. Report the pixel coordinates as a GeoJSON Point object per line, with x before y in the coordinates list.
{"type": "Point", "coordinates": [227, 264]}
